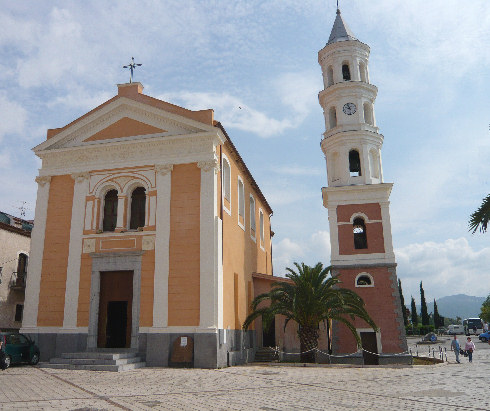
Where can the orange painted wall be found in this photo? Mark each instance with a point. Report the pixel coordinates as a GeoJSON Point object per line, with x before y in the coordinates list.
{"type": "Point", "coordinates": [55, 257]}
{"type": "Point", "coordinates": [124, 128]}
{"type": "Point", "coordinates": [374, 230]}
{"type": "Point", "coordinates": [241, 255]}
{"type": "Point", "coordinates": [380, 303]}
{"type": "Point", "coordinates": [147, 277]}
{"type": "Point", "coordinates": [84, 291]}
{"type": "Point", "coordinates": [184, 264]}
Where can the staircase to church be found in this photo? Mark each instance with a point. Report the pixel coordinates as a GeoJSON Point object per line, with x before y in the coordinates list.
{"type": "Point", "coordinates": [266, 354]}
{"type": "Point", "coordinates": [97, 361]}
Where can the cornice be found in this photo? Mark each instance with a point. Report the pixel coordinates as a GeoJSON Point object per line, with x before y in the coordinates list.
{"type": "Point", "coordinates": [347, 89]}
{"type": "Point", "coordinates": [141, 152]}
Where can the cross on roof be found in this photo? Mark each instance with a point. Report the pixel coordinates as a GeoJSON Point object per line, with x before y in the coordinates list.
{"type": "Point", "coordinates": [132, 66]}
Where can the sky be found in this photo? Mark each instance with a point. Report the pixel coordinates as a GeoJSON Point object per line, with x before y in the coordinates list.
{"type": "Point", "coordinates": [255, 63]}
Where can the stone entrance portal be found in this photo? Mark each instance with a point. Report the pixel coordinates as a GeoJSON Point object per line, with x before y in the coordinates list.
{"type": "Point", "coordinates": [115, 303]}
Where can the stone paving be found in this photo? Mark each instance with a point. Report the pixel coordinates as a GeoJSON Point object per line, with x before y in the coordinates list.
{"type": "Point", "coordinates": [448, 386]}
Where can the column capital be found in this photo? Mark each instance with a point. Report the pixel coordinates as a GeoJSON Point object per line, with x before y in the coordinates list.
{"type": "Point", "coordinates": [80, 177]}
{"type": "Point", "coordinates": [209, 165]}
{"type": "Point", "coordinates": [163, 169]}
{"type": "Point", "coordinates": [43, 180]}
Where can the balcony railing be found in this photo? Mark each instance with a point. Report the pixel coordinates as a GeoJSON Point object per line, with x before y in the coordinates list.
{"type": "Point", "coordinates": [18, 281]}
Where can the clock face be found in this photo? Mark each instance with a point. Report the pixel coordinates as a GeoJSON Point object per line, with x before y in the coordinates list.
{"type": "Point", "coordinates": [349, 108]}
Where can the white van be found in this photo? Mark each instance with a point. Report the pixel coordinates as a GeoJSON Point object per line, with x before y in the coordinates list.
{"type": "Point", "coordinates": [455, 329]}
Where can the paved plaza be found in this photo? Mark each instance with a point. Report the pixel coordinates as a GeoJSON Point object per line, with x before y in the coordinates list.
{"type": "Point", "coordinates": [448, 386]}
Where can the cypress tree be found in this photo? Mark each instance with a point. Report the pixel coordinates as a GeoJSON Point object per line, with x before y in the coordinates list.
{"type": "Point", "coordinates": [402, 300]}
{"type": "Point", "coordinates": [438, 320]}
{"type": "Point", "coordinates": [415, 319]}
{"type": "Point", "coordinates": [423, 307]}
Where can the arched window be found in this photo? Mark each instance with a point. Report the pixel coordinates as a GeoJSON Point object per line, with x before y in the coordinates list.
{"type": "Point", "coordinates": [362, 72]}
{"type": "Point", "coordinates": [252, 216]}
{"type": "Point", "coordinates": [226, 177]}
{"type": "Point", "coordinates": [330, 76]}
{"type": "Point", "coordinates": [138, 208]}
{"type": "Point", "coordinates": [359, 229]}
{"type": "Point", "coordinates": [21, 264]}
{"type": "Point", "coordinates": [110, 211]}
{"type": "Point", "coordinates": [345, 71]}
{"type": "Point", "coordinates": [354, 163]}
{"type": "Point", "coordinates": [241, 203]}
{"type": "Point", "coordinates": [364, 280]}
{"type": "Point", "coordinates": [332, 116]}
{"type": "Point", "coordinates": [368, 114]}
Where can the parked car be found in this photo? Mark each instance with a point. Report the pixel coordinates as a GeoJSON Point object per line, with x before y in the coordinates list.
{"type": "Point", "coordinates": [19, 348]}
{"type": "Point", "coordinates": [455, 329]}
{"type": "Point", "coordinates": [484, 336]}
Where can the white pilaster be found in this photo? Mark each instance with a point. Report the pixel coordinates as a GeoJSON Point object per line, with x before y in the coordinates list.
{"type": "Point", "coordinates": [36, 255]}
{"type": "Point", "coordinates": [162, 242]}
{"type": "Point", "coordinates": [385, 216]}
{"type": "Point", "coordinates": [75, 250]}
{"type": "Point", "coordinates": [121, 200]}
{"type": "Point", "coordinates": [209, 281]}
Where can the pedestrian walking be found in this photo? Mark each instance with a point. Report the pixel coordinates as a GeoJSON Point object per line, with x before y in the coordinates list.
{"type": "Point", "coordinates": [469, 348]}
{"type": "Point", "coordinates": [455, 347]}
{"type": "Point", "coordinates": [3, 364]}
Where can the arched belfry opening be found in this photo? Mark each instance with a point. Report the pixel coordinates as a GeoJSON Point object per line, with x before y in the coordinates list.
{"type": "Point", "coordinates": [360, 237]}
{"type": "Point", "coordinates": [332, 117]}
{"type": "Point", "coordinates": [354, 163]}
{"type": "Point", "coordinates": [345, 71]}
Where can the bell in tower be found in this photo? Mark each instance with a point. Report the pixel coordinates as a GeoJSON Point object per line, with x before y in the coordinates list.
{"type": "Point", "coordinates": [357, 200]}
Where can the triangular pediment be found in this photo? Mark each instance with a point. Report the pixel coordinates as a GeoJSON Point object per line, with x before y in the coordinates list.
{"type": "Point", "coordinates": [121, 120]}
{"type": "Point", "coordinates": [126, 127]}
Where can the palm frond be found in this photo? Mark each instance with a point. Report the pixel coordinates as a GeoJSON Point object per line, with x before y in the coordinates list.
{"type": "Point", "coordinates": [481, 217]}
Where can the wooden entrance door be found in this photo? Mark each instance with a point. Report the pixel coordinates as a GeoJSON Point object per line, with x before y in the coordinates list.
{"type": "Point", "coordinates": [269, 335]}
{"type": "Point", "coordinates": [369, 343]}
{"type": "Point", "coordinates": [115, 308]}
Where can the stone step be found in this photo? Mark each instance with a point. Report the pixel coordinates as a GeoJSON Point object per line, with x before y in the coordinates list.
{"type": "Point", "coordinates": [266, 354]}
{"type": "Point", "coordinates": [95, 361]}
{"type": "Point", "coordinates": [94, 367]}
{"type": "Point", "coordinates": [99, 355]}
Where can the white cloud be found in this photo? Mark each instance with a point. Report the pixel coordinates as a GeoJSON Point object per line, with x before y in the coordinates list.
{"type": "Point", "coordinates": [446, 268]}
{"type": "Point", "coordinates": [315, 249]}
{"type": "Point", "coordinates": [14, 117]}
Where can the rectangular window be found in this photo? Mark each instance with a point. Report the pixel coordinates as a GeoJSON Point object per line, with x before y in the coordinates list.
{"type": "Point", "coordinates": [226, 181]}
{"type": "Point", "coordinates": [241, 203]}
{"type": "Point", "coordinates": [261, 223]}
{"type": "Point", "coordinates": [19, 310]}
{"type": "Point", "coordinates": [252, 217]}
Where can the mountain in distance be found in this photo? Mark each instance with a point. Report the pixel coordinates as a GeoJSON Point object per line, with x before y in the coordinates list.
{"type": "Point", "coordinates": [459, 305]}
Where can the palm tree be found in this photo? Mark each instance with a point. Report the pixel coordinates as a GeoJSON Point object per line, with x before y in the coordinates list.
{"type": "Point", "coordinates": [310, 297]}
{"type": "Point", "coordinates": [481, 217]}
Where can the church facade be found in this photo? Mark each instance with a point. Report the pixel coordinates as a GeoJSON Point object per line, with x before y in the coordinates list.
{"type": "Point", "coordinates": [149, 227]}
{"type": "Point", "coordinates": [357, 199]}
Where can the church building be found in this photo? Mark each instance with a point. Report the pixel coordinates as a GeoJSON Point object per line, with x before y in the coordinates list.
{"type": "Point", "coordinates": [357, 199]}
{"type": "Point", "coordinates": [148, 230]}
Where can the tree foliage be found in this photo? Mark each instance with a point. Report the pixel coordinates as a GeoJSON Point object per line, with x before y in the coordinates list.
{"type": "Point", "coordinates": [438, 319]}
{"type": "Point", "coordinates": [485, 310]}
{"type": "Point", "coordinates": [311, 297]}
{"type": "Point", "coordinates": [423, 307]}
{"type": "Point", "coordinates": [480, 218]}
{"type": "Point", "coordinates": [402, 301]}
{"type": "Point", "coordinates": [415, 318]}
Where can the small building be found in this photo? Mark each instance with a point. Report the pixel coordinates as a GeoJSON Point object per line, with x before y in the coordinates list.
{"type": "Point", "coordinates": [149, 226]}
{"type": "Point", "coordinates": [15, 242]}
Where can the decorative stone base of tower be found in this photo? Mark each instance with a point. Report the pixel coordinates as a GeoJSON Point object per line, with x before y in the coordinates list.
{"type": "Point", "coordinates": [357, 200]}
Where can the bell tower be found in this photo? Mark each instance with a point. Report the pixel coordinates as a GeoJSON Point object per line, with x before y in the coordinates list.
{"type": "Point", "coordinates": [357, 198]}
